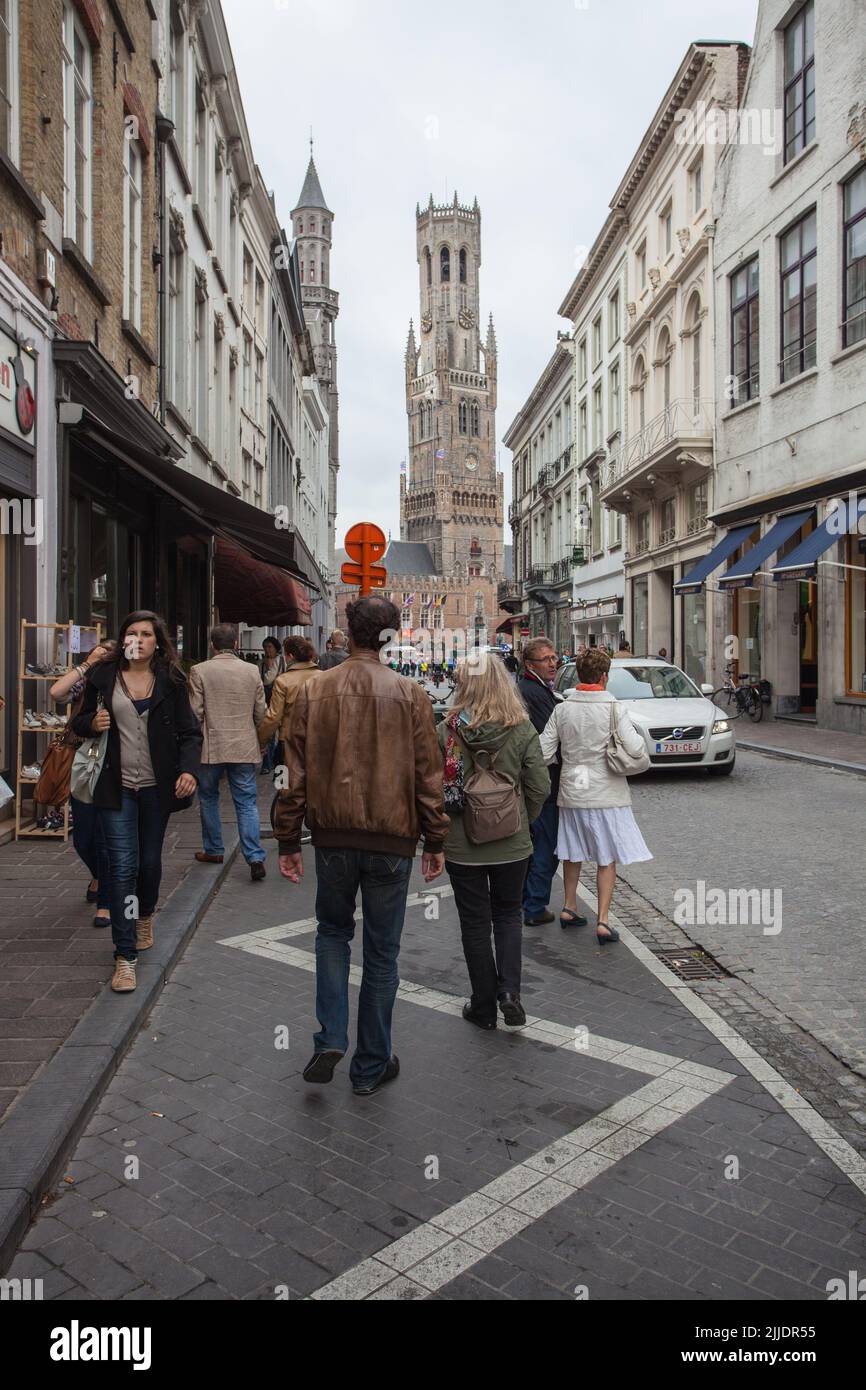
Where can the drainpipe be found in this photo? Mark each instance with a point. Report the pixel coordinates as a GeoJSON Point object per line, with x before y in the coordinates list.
{"type": "Point", "coordinates": [164, 132]}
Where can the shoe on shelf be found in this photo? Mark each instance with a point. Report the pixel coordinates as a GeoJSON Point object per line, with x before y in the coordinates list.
{"type": "Point", "coordinates": [36, 668]}
{"type": "Point", "coordinates": [392, 1069]}
{"type": "Point", "coordinates": [540, 920]}
{"type": "Point", "coordinates": [204, 858]}
{"type": "Point", "coordinates": [320, 1068]}
{"type": "Point", "coordinates": [31, 721]}
{"type": "Point", "coordinates": [32, 770]}
{"type": "Point", "coordinates": [144, 933]}
{"type": "Point", "coordinates": [472, 1017]}
{"type": "Point", "coordinates": [569, 918]}
{"type": "Point", "coordinates": [513, 1011]}
{"type": "Point", "coordinates": [123, 980]}
{"type": "Point", "coordinates": [258, 871]}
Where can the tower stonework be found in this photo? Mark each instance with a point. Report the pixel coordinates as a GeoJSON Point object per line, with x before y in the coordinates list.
{"type": "Point", "coordinates": [452, 498]}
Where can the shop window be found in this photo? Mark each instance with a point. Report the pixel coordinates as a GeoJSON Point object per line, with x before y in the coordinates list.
{"type": "Point", "coordinates": [855, 593]}
{"type": "Point", "coordinates": [694, 636]}
{"type": "Point", "coordinates": [639, 610]}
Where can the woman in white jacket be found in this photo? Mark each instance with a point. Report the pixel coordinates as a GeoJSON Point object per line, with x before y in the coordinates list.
{"type": "Point", "coordinates": [595, 816]}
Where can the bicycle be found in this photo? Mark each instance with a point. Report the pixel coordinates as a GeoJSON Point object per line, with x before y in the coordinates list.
{"type": "Point", "coordinates": [747, 696]}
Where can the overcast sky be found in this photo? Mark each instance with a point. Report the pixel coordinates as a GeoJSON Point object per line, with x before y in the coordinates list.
{"type": "Point", "coordinates": [535, 109]}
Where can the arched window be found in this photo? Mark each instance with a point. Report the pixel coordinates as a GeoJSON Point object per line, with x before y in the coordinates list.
{"type": "Point", "coordinates": [475, 420]}
{"type": "Point", "coordinates": [300, 226]}
{"type": "Point", "coordinates": [639, 389]}
{"type": "Point", "coordinates": [428, 259]}
{"type": "Point", "coordinates": [461, 417]}
{"type": "Point", "coordinates": [444, 265]}
{"type": "Point", "coordinates": [693, 325]}
{"type": "Point", "coordinates": [312, 272]}
{"type": "Point", "coordinates": [313, 227]}
{"type": "Point", "coordinates": [462, 265]}
{"type": "Point", "coordinates": [663, 364]}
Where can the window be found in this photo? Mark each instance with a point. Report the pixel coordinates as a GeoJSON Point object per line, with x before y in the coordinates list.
{"type": "Point", "coordinates": [260, 364]}
{"type": "Point", "coordinates": [663, 364]}
{"type": "Point", "coordinates": [428, 261]}
{"type": "Point", "coordinates": [177, 82]}
{"type": "Point", "coordinates": [613, 317]}
{"type": "Point", "coordinates": [200, 364]}
{"type": "Point", "coordinates": [595, 531]}
{"type": "Point", "coordinates": [566, 440]}
{"type": "Point", "coordinates": [247, 474]}
{"type": "Point", "coordinates": [232, 271]}
{"type": "Point", "coordinates": [176, 326]}
{"type": "Point", "coordinates": [855, 579]}
{"type": "Point", "coordinates": [583, 438]}
{"type": "Point", "coordinates": [248, 372]}
{"type": "Point", "coordinates": [641, 265]}
{"type": "Point", "coordinates": [666, 233]}
{"type": "Point", "coordinates": [218, 441]}
{"type": "Point", "coordinates": [132, 232]}
{"type": "Point", "coordinates": [462, 266]}
{"type": "Point", "coordinates": [744, 333]}
{"type": "Point", "coordinates": [260, 303]}
{"type": "Point", "coordinates": [248, 281]}
{"type": "Point", "coordinates": [697, 179]}
{"type": "Point", "coordinates": [218, 205]}
{"type": "Point", "coordinates": [854, 252]}
{"type": "Point", "coordinates": [639, 390]}
{"type": "Point", "coordinates": [462, 417]}
{"type": "Point", "coordinates": [597, 417]}
{"type": "Point", "coordinates": [800, 81]}
{"type": "Point", "coordinates": [697, 507]}
{"type": "Point", "coordinates": [77, 131]}
{"type": "Point", "coordinates": [444, 265]}
{"type": "Point", "coordinates": [581, 362]}
{"type": "Point", "coordinates": [799, 297]}
{"type": "Point", "coordinates": [642, 533]}
{"type": "Point", "coordinates": [596, 342]}
{"type": "Point", "coordinates": [474, 411]}
{"type": "Point", "coordinates": [669, 520]}
{"type": "Point", "coordinates": [614, 403]}
{"type": "Point", "coordinates": [9, 78]}
{"type": "Point", "coordinates": [201, 157]}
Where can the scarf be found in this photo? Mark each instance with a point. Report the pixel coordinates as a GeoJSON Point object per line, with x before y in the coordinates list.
{"type": "Point", "coordinates": [454, 768]}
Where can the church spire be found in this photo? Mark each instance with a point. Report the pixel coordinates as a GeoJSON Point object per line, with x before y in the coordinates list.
{"type": "Point", "coordinates": [411, 348]}
{"type": "Point", "coordinates": [490, 345]}
{"type": "Point", "coordinates": [311, 193]}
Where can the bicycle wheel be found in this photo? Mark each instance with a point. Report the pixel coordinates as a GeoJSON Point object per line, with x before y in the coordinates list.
{"type": "Point", "coordinates": [724, 696]}
{"type": "Point", "coordinates": [755, 707]}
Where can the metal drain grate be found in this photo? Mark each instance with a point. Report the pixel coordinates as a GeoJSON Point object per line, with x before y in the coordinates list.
{"type": "Point", "coordinates": [692, 963]}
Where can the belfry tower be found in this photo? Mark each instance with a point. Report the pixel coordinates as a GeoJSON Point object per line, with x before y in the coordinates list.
{"type": "Point", "coordinates": [452, 499]}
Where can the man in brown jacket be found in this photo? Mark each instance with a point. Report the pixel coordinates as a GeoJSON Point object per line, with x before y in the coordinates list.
{"type": "Point", "coordinates": [227, 696]}
{"type": "Point", "coordinates": [365, 770]}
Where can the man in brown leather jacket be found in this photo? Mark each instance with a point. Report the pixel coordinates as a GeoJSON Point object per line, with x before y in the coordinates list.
{"type": "Point", "coordinates": [364, 769]}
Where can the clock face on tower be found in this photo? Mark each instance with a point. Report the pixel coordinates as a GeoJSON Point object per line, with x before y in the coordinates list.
{"type": "Point", "coordinates": [426, 321]}
{"type": "Point", "coordinates": [466, 318]}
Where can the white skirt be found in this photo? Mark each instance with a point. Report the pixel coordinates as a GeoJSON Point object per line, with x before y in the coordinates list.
{"type": "Point", "coordinates": [609, 836]}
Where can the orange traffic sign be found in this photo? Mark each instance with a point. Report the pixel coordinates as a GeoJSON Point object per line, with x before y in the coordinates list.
{"type": "Point", "coordinates": [364, 544]}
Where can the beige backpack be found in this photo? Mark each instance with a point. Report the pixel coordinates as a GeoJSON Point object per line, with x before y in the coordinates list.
{"type": "Point", "coordinates": [491, 809]}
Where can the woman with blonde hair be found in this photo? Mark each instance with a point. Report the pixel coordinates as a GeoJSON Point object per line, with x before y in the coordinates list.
{"type": "Point", "coordinates": [595, 816]}
{"type": "Point", "coordinates": [488, 730]}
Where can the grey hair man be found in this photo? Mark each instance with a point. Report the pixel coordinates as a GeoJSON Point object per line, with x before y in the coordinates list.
{"type": "Point", "coordinates": [337, 651]}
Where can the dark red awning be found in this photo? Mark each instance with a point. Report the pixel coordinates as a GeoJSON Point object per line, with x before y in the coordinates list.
{"type": "Point", "coordinates": [248, 591]}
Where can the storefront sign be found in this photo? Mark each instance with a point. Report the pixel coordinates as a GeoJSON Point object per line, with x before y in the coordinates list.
{"type": "Point", "coordinates": [17, 389]}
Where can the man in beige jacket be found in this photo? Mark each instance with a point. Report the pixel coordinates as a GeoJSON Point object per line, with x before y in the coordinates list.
{"type": "Point", "coordinates": [227, 696]}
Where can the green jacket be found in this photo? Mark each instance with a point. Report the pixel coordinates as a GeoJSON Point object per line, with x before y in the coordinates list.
{"type": "Point", "coordinates": [521, 760]}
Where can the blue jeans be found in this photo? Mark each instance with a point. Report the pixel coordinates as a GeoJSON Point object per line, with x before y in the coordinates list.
{"type": "Point", "coordinates": [544, 863]}
{"type": "Point", "coordinates": [384, 883]}
{"type": "Point", "coordinates": [270, 752]}
{"type": "Point", "coordinates": [243, 787]}
{"type": "Point", "coordinates": [133, 841]}
{"type": "Point", "coordinates": [89, 842]}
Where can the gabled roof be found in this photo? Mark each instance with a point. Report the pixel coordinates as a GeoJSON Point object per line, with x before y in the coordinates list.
{"type": "Point", "coordinates": [311, 193]}
{"type": "Point", "coordinates": [408, 557]}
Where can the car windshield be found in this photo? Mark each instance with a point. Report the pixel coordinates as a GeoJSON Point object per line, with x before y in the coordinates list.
{"type": "Point", "coordinates": [650, 683]}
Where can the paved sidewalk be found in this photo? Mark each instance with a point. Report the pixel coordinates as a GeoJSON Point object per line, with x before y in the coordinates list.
{"type": "Point", "coordinates": [628, 1145]}
{"type": "Point", "coordinates": [53, 961]}
{"type": "Point", "coordinates": [803, 741]}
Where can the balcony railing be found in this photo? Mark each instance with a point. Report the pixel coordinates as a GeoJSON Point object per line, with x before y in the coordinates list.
{"type": "Point", "coordinates": [509, 591]}
{"type": "Point", "coordinates": [560, 571]}
{"type": "Point", "coordinates": [667, 535]}
{"type": "Point", "coordinates": [681, 419]}
{"type": "Point", "coordinates": [535, 577]}
{"type": "Point", "coordinates": [513, 512]}
{"type": "Point", "coordinates": [475, 380]}
{"type": "Point", "coordinates": [696, 524]}
{"type": "Point", "coordinates": [641, 547]}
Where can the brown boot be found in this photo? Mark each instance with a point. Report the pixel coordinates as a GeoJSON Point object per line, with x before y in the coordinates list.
{"type": "Point", "coordinates": [144, 933]}
{"type": "Point", "coordinates": [124, 976]}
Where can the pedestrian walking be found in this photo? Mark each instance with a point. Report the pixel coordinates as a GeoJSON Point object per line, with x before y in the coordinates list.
{"type": "Point", "coordinates": [301, 666]}
{"type": "Point", "coordinates": [272, 666]}
{"type": "Point", "coordinates": [596, 822]}
{"type": "Point", "coordinates": [624, 648]}
{"type": "Point", "coordinates": [139, 695]}
{"type": "Point", "coordinates": [336, 653]}
{"type": "Point", "coordinates": [87, 837]}
{"type": "Point", "coordinates": [488, 728]}
{"type": "Point", "coordinates": [364, 769]}
{"type": "Point", "coordinates": [540, 698]}
{"type": "Point", "coordinates": [228, 697]}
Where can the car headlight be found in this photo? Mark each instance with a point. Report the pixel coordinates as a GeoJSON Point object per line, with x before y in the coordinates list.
{"type": "Point", "coordinates": [721, 726]}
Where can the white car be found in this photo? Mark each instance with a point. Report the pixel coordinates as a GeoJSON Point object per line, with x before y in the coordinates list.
{"type": "Point", "coordinates": [682, 727]}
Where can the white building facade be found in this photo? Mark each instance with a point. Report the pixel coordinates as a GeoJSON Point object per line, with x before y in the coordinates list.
{"type": "Point", "coordinates": [790, 279]}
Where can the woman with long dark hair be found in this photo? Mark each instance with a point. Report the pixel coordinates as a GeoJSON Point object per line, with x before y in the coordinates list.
{"type": "Point", "coordinates": [272, 666]}
{"type": "Point", "coordinates": [139, 694]}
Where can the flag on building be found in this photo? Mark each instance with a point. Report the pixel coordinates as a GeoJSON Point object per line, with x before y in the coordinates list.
{"type": "Point", "coordinates": [403, 466]}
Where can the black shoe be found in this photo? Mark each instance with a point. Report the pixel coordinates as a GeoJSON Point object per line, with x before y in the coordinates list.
{"type": "Point", "coordinates": [569, 918]}
{"type": "Point", "coordinates": [513, 1011]}
{"type": "Point", "coordinates": [102, 921]}
{"type": "Point", "coordinates": [257, 871]}
{"type": "Point", "coordinates": [540, 921]}
{"type": "Point", "coordinates": [392, 1069]}
{"type": "Point", "coordinates": [603, 940]}
{"type": "Point", "coordinates": [320, 1068]}
{"type": "Point", "coordinates": [471, 1017]}
{"type": "Point", "coordinates": [92, 895]}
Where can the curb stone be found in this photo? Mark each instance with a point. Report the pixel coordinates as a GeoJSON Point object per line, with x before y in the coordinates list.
{"type": "Point", "coordinates": [46, 1122]}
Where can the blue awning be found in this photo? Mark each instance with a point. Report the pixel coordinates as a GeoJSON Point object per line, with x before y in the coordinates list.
{"type": "Point", "coordinates": [802, 563]}
{"type": "Point", "coordinates": [744, 571]}
{"type": "Point", "coordinates": [693, 582]}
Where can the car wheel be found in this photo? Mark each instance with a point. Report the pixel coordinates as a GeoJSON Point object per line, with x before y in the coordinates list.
{"type": "Point", "coordinates": [723, 769]}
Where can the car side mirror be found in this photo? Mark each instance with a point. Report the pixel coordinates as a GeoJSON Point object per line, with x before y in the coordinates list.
{"type": "Point", "coordinates": [706, 689]}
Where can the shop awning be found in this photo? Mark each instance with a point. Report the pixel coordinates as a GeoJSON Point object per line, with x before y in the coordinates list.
{"type": "Point", "coordinates": [802, 563]}
{"type": "Point", "coordinates": [508, 624]}
{"type": "Point", "coordinates": [744, 571]}
{"type": "Point", "coordinates": [216, 511]}
{"type": "Point", "coordinates": [693, 582]}
{"type": "Point", "coordinates": [248, 591]}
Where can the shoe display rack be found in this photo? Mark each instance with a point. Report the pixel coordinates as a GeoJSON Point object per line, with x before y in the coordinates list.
{"type": "Point", "coordinates": [35, 676]}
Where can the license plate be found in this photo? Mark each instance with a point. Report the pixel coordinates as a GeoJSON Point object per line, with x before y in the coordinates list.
{"type": "Point", "coordinates": [678, 747]}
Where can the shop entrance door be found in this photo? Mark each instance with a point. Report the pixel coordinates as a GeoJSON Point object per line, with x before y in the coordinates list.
{"type": "Point", "coordinates": [808, 628]}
